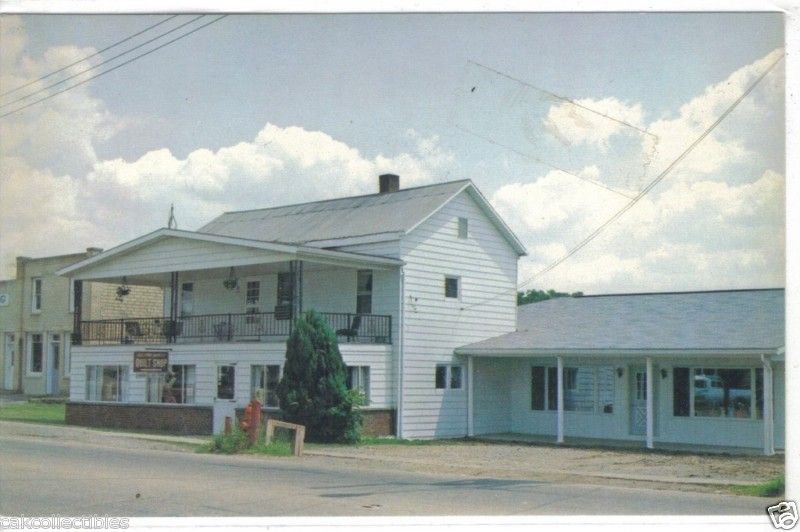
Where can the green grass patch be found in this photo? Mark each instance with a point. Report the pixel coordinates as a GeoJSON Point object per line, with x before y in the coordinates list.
{"type": "Point", "coordinates": [49, 413]}
{"type": "Point", "coordinates": [770, 488]}
{"type": "Point", "coordinates": [236, 443]}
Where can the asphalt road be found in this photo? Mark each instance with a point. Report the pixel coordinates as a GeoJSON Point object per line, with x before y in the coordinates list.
{"type": "Point", "coordinates": [45, 477]}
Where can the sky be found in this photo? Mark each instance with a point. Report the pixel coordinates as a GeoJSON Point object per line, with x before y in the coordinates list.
{"type": "Point", "coordinates": [559, 119]}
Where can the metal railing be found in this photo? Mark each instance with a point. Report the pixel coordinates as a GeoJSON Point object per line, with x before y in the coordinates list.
{"type": "Point", "coordinates": [243, 327]}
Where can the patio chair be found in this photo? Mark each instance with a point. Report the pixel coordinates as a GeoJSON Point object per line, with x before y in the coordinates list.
{"type": "Point", "coordinates": [133, 329]}
{"type": "Point", "coordinates": [352, 332]}
{"type": "Point", "coordinates": [223, 331]}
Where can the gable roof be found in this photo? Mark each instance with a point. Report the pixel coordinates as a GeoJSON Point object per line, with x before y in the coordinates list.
{"type": "Point", "coordinates": [300, 252]}
{"type": "Point", "coordinates": [323, 223]}
{"type": "Point", "coordinates": [685, 321]}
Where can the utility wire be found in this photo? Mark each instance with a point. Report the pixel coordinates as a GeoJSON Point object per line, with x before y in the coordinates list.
{"type": "Point", "coordinates": [641, 194]}
{"type": "Point", "coordinates": [562, 98]}
{"type": "Point", "coordinates": [93, 67]}
{"type": "Point", "coordinates": [540, 161]}
{"type": "Point", "coordinates": [126, 39]}
{"type": "Point", "coordinates": [114, 68]}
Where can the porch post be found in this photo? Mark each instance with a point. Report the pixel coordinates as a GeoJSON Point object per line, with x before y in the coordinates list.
{"type": "Point", "coordinates": [649, 392]}
{"type": "Point", "coordinates": [296, 268]}
{"type": "Point", "coordinates": [769, 421]}
{"type": "Point", "coordinates": [77, 304]}
{"type": "Point", "coordinates": [299, 287]}
{"type": "Point", "coordinates": [470, 398]}
{"type": "Point", "coordinates": [173, 307]}
{"type": "Point", "coordinates": [560, 399]}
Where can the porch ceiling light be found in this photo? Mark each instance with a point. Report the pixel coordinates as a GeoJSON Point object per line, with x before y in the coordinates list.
{"type": "Point", "coordinates": [231, 283]}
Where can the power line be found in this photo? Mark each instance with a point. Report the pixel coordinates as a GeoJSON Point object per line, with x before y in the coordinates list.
{"type": "Point", "coordinates": [114, 68]}
{"type": "Point", "coordinates": [540, 161]}
{"type": "Point", "coordinates": [562, 98]}
{"type": "Point", "coordinates": [644, 191]}
{"type": "Point", "coordinates": [93, 67]}
{"type": "Point", "coordinates": [90, 56]}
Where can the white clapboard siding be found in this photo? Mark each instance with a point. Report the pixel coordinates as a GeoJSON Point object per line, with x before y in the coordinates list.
{"type": "Point", "coordinates": [434, 326]}
{"type": "Point", "coordinates": [164, 255]}
{"type": "Point", "coordinates": [207, 357]}
{"type": "Point", "coordinates": [325, 289]}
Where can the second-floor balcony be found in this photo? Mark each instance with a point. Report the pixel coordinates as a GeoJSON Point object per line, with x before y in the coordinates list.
{"type": "Point", "coordinates": [241, 327]}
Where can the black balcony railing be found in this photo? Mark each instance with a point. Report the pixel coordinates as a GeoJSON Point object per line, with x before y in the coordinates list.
{"type": "Point", "coordinates": [209, 328]}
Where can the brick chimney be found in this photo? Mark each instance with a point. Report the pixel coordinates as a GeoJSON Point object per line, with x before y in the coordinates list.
{"type": "Point", "coordinates": [388, 183]}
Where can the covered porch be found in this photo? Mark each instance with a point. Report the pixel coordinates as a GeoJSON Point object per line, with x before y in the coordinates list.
{"type": "Point", "coordinates": [702, 401]}
{"type": "Point", "coordinates": [224, 289]}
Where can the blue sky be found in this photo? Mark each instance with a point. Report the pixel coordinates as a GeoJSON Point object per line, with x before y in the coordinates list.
{"type": "Point", "coordinates": [260, 110]}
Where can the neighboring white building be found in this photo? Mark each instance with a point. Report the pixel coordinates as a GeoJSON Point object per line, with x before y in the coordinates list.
{"type": "Point", "coordinates": [404, 276]}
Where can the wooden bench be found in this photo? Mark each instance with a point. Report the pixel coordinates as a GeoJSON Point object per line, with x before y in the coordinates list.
{"type": "Point", "coordinates": [299, 434]}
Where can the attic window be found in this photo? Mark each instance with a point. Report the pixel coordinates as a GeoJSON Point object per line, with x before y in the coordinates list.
{"type": "Point", "coordinates": [463, 227]}
{"type": "Point", "coordinates": [451, 287]}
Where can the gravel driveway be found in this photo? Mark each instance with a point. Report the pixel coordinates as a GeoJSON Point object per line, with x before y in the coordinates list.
{"type": "Point", "coordinates": [527, 461]}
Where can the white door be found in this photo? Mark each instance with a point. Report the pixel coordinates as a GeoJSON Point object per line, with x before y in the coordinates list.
{"type": "Point", "coordinates": [225, 398]}
{"type": "Point", "coordinates": [53, 370]}
{"type": "Point", "coordinates": [8, 362]}
{"type": "Point", "coordinates": [638, 401]}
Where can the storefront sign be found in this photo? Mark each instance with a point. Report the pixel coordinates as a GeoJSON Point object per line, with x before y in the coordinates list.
{"type": "Point", "coordinates": [150, 361]}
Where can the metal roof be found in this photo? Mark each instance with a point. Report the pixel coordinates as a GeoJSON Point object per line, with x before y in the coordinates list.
{"type": "Point", "coordinates": [684, 321]}
{"type": "Point", "coordinates": [391, 214]}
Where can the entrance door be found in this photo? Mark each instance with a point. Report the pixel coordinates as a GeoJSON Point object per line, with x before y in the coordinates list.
{"type": "Point", "coordinates": [638, 401]}
{"type": "Point", "coordinates": [225, 400]}
{"type": "Point", "coordinates": [53, 376]}
{"type": "Point", "coordinates": [8, 362]}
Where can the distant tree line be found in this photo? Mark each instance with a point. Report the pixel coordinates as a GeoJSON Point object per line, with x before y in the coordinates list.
{"type": "Point", "coordinates": [534, 296]}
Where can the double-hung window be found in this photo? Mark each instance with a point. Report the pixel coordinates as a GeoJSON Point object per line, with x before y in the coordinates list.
{"type": "Point", "coordinates": [449, 377]}
{"type": "Point", "coordinates": [36, 294]}
{"type": "Point", "coordinates": [252, 300]}
{"type": "Point", "coordinates": [285, 288]}
{"type": "Point", "coordinates": [364, 292]}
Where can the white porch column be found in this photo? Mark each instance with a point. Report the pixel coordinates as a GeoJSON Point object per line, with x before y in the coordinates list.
{"type": "Point", "coordinates": [769, 415]}
{"type": "Point", "coordinates": [560, 399]}
{"type": "Point", "coordinates": [470, 398]}
{"type": "Point", "coordinates": [649, 392]}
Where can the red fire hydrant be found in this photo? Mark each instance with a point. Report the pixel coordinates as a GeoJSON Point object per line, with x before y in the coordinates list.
{"type": "Point", "coordinates": [251, 421]}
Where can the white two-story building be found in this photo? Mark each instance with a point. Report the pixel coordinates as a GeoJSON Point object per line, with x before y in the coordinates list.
{"type": "Point", "coordinates": [420, 286]}
{"type": "Point", "coordinates": [404, 276]}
